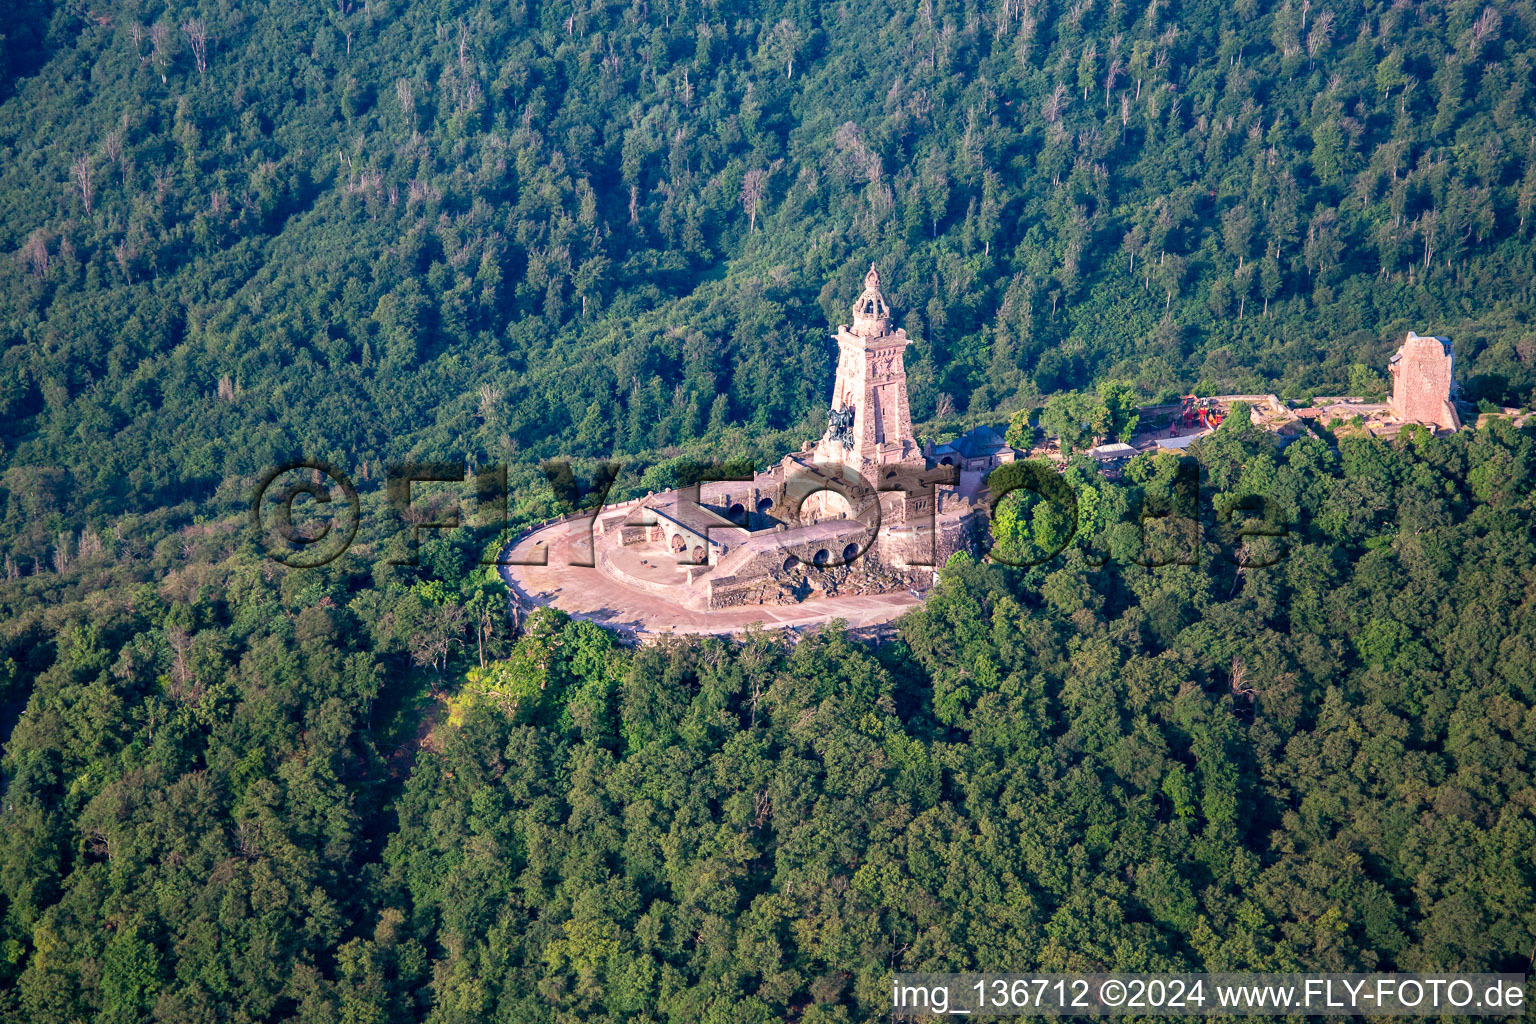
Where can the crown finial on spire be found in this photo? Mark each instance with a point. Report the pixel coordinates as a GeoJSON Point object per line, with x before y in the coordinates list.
{"type": "Point", "coordinates": [871, 316]}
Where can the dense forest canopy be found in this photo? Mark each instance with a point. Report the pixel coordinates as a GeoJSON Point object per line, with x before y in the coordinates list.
{"type": "Point", "coordinates": [370, 231]}
{"type": "Point", "coordinates": [239, 792]}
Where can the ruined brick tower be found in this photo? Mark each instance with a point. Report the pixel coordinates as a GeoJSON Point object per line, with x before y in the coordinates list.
{"type": "Point", "coordinates": [869, 424]}
{"type": "Point", "coordinates": [1422, 382]}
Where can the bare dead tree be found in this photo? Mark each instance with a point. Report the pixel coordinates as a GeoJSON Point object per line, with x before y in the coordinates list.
{"type": "Point", "coordinates": [181, 674]}
{"type": "Point", "coordinates": [126, 253]}
{"type": "Point", "coordinates": [1116, 66]}
{"type": "Point", "coordinates": [427, 648]}
{"type": "Point", "coordinates": [1321, 34]}
{"type": "Point", "coordinates": [1053, 106]}
{"type": "Point", "coordinates": [160, 46]}
{"type": "Point", "coordinates": [82, 174]}
{"type": "Point", "coordinates": [1239, 679]}
{"type": "Point", "coordinates": [1427, 225]}
{"type": "Point", "coordinates": [114, 146]}
{"type": "Point", "coordinates": [1527, 196]}
{"type": "Point", "coordinates": [1486, 28]}
{"type": "Point", "coordinates": [1001, 18]}
{"type": "Point", "coordinates": [136, 33]}
{"type": "Point", "coordinates": [753, 185]}
{"type": "Point", "coordinates": [90, 543]}
{"type": "Point", "coordinates": [247, 836]}
{"type": "Point", "coordinates": [486, 614]}
{"type": "Point", "coordinates": [407, 97]}
{"type": "Point", "coordinates": [848, 140]}
{"type": "Point", "coordinates": [197, 34]}
{"type": "Point", "coordinates": [490, 396]}
{"type": "Point", "coordinates": [100, 841]}
{"type": "Point", "coordinates": [35, 253]}
{"type": "Point", "coordinates": [442, 633]}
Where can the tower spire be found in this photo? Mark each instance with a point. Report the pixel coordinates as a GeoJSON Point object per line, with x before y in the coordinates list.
{"type": "Point", "coordinates": [869, 424]}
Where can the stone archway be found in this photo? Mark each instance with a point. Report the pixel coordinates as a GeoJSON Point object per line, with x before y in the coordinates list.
{"type": "Point", "coordinates": [763, 505]}
{"type": "Point", "coordinates": [850, 553]}
{"type": "Point", "coordinates": [698, 554]}
{"type": "Point", "coordinates": [821, 558]}
{"type": "Point", "coordinates": [737, 513]}
{"type": "Point", "coordinates": [678, 545]}
{"type": "Point", "coordinates": [827, 504]}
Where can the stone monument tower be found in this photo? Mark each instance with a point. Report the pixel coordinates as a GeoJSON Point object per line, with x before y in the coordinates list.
{"type": "Point", "coordinates": [869, 424]}
{"type": "Point", "coordinates": [1421, 382]}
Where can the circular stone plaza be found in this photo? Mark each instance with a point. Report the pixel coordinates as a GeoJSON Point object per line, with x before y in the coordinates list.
{"type": "Point", "coordinates": [641, 593]}
{"type": "Point", "coordinates": [850, 527]}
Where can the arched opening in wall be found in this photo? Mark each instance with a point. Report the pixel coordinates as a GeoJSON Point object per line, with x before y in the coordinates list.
{"type": "Point", "coordinates": [678, 544]}
{"type": "Point", "coordinates": [850, 553]}
{"type": "Point", "coordinates": [946, 461]}
{"type": "Point", "coordinates": [737, 514]}
{"type": "Point", "coordinates": [698, 554]}
{"type": "Point", "coordinates": [763, 505]}
{"type": "Point", "coordinates": [832, 505]}
{"type": "Point", "coordinates": [820, 558]}
{"type": "Point", "coordinates": [790, 563]}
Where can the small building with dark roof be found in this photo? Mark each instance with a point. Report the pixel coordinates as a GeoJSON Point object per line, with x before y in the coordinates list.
{"type": "Point", "coordinates": [979, 450]}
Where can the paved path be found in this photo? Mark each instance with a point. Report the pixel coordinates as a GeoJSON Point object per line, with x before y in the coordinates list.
{"type": "Point", "coordinates": [586, 592]}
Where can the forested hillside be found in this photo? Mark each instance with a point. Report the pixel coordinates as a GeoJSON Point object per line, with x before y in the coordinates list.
{"type": "Point", "coordinates": [215, 809]}
{"type": "Point", "coordinates": [370, 231]}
